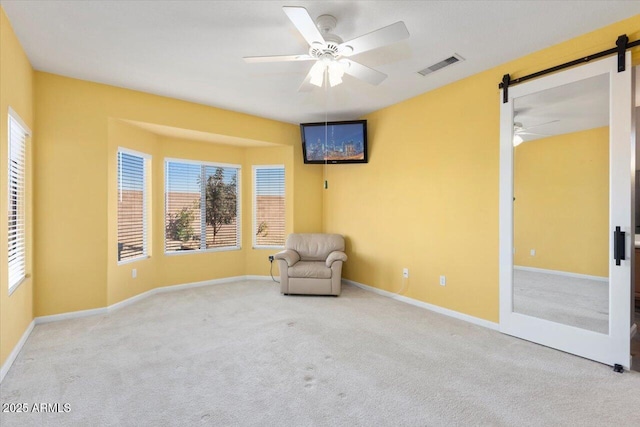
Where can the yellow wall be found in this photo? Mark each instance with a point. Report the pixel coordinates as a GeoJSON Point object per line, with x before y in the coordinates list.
{"type": "Point", "coordinates": [428, 198]}
{"type": "Point", "coordinates": [75, 189]}
{"type": "Point", "coordinates": [561, 187]}
{"type": "Point", "coordinates": [16, 91]}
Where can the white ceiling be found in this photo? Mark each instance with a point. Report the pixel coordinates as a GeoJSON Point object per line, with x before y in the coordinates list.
{"type": "Point", "coordinates": [192, 50]}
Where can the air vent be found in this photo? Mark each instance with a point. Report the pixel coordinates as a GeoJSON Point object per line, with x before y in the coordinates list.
{"type": "Point", "coordinates": [440, 65]}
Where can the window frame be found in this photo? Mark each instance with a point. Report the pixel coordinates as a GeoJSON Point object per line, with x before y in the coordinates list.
{"type": "Point", "coordinates": [254, 221]}
{"type": "Point", "coordinates": [146, 206]}
{"type": "Point", "coordinates": [13, 285]}
{"type": "Point", "coordinates": [201, 163]}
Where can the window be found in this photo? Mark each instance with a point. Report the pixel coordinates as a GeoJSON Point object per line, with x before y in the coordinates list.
{"type": "Point", "coordinates": [17, 164]}
{"type": "Point", "coordinates": [133, 177]}
{"type": "Point", "coordinates": [202, 206]}
{"type": "Point", "coordinates": [268, 206]}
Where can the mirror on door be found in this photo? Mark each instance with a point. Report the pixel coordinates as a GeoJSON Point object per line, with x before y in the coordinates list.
{"type": "Point", "coordinates": [561, 204]}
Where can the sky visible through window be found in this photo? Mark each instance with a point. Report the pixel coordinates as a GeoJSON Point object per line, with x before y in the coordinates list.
{"type": "Point", "coordinates": [185, 177]}
{"type": "Point", "coordinates": [130, 175]}
{"type": "Point", "coordinates": [272, 181]}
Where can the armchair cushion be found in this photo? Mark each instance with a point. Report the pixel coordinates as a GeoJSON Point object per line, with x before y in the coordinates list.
{"type": "Point", "coordinates": [315, 247]}
{"type": "Point", "coordinates": [289, 255]}
{"type": "Point", "coordinates": [311, 269]}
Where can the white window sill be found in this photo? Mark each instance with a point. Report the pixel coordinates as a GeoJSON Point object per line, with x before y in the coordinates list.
{"type": "Point", "coordinates": [131, 260]}
{"type": "Point", "coordinates": [201, 251]}
{"type": "Point", "coordinates": [13, 288]}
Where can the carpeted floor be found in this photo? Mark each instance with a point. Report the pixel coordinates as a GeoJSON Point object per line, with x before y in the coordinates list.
{"type": "Point", "coordinates": [579, 302]}
{"type": "Point", "coordinates": [242, 354]}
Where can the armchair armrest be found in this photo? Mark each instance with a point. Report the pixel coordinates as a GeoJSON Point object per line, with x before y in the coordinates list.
{"type": "Point", "coordinates": [289, 255]}
{"type": "Point", "coordinates": [336, 256]}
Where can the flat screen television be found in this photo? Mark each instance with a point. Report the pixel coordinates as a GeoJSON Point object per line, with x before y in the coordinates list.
{"type": "Point", "coordinates": [334, 142]}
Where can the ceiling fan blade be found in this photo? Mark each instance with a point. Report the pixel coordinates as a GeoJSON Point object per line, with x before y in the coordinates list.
{"type": "Point", "coordinates": [363, 72]}
{"type": "Point", "coordinates": [278, 58]}
{"type": "Point", "coordinates": [540, 124]}
{"type": "Point", "coordinates": [375, 39]}
{"type": "Point", "coordinates": [303, 22]}
{"type": "Point", "coordinates": [306, 85]}
{"type": "Point", "coordinates": [532, 133]}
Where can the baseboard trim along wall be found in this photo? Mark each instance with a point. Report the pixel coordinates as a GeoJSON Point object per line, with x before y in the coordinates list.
{"type": "Point", "coordinates": [561, 273]}
{"type": "Point", "coordinates": [71, 315]}
{"type": "Point", "coordinates": [106, 310]}
{"type": "Point", "coordinates": [435, 308]}
{"type": "Point", "coordinates": [16, 350]}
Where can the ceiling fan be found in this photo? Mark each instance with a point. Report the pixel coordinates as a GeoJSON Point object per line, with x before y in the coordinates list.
{"type": "Point", "coordinates": [330, 53]}
{"type": "Point", "coordinates": [519, 130]}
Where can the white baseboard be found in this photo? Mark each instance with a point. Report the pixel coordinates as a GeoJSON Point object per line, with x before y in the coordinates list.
{"type": "Point", "coordinates": [121, 304]}
{"type": "Point", "coordinates": [435, 308]}
{"type": "Point", "coordinates": [561, 273]}
{"type": "Point", "coordinates": [16, 350]}
{"type": "Point", "coordinates": [268, 278]}
{"type": "Point", "coordinates": [70, 315]}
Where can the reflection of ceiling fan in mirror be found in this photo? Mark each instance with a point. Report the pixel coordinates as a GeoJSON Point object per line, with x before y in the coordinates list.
{"type": "Point", "coordinates": [520, 131]}
{"type": "Point", "coordinates": [330, 53]}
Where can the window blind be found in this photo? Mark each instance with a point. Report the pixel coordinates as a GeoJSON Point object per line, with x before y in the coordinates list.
{"type": "Point", "coordinates": [17, 200]}
{"type": "Point", "coordinates": [268, 206]}
{"type": "Point", "coordinates": [132, 209]}
{"type": "Point", "coordinates": [202, 206]}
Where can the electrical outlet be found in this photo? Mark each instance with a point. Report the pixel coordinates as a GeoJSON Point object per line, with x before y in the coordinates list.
{"type": "Point", "coordinates": [405, 273]}
{"type": "Point", "coordinates": [443, 280]}
{"type": "Point", "coordinates": [533, 252]}
{"type": "Point", "coordinates": [134, 273]}
{"type": "Point", "coordinates": [270, 258]}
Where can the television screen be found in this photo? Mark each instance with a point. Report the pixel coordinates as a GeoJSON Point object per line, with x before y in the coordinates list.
{"type": "Point", "coordinates": [334, 142]}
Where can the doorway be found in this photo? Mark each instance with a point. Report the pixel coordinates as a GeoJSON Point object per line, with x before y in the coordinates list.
{"type": "Point", "coordinates": [566, 224]}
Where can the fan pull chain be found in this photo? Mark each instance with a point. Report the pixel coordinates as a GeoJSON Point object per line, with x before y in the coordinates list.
{"type": "Point", "coordinates": [326, 124]}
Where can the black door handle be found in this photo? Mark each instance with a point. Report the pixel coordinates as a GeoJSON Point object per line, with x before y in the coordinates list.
{"type": "Point", "coordinates": [618, 245]}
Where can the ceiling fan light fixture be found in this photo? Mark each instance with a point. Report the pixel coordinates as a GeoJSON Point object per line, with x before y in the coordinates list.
{"type": "Point", "coordinates": [335, 79]}
{"type": "Point", "coordinates": [336, 68]}
{"type": "Point", "coordinates": [336, 71]}
{"type": "Point", "coordinates": [317, 78]}
{"type": "Point", "coordinates": [517, 140]}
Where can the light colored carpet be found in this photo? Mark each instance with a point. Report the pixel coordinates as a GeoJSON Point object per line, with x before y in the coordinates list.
{"type": "Point", "coordinates": [568, 300]}
{"type": "Point", "coordinates": [242, 354]}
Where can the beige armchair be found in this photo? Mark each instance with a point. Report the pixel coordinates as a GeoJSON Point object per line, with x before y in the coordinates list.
{"type": "Point", "coordinates": [311, 264]}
